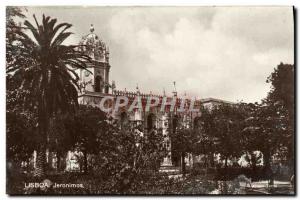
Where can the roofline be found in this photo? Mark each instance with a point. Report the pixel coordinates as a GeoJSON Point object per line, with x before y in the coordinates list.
{"type": "Point", "coordinates": [205, 100]}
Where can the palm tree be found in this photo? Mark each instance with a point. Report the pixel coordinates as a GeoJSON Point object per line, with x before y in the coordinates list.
{"type": "Point", "coordinates": [48, 70]}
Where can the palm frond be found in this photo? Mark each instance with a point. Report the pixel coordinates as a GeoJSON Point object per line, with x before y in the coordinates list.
{"type": "Point", "coordinates": [33, 31]}
{"type": "Point", "coordinates": [61, 38]}
{"type": "Point", "coordinates": [47, 67]}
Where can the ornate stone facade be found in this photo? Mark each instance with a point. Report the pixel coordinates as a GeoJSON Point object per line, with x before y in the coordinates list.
{"type": "Point", "coordinates": [93, 91]}
{"type": "Point", "coordinates": [98, 79]}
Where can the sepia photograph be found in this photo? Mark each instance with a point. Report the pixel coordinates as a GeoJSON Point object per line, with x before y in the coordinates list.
{"type": "Point", "coordinates": [150, 100]}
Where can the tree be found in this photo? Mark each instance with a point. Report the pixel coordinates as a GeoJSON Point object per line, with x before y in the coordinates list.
{"type": "Point", "coordinates": [269, 126]}
{"type": "Point", "coordinates": [182, 138]}
{"type": "Point", "coordinates": [60, 139]}
{"type": "Point", "coordinates": [20, 129]}
{"type": "Point", "coordinates": [204, 136]}
{"type": "Point", "coordinates": [126, 158]}
{"type": "Point", "coordinates": [11, 28]}
{"type": "Point", "coordinates": [20, 123]}
{"type": "Point", "coordinates": [227, 121]}
{"type": "Point", "coordinates": [282, 88]}
{"type": "Point", "coordinates": [83, 128]}
{"type": "Point", "coordinates": [263, 131]}
{"type": "Point", "coordinates": [183, 141]}
{"type": "Point", "coordinates": [281, 97]}
{"type": "Point", "coordinates": [47, 66]}
{"type": "Point", "coordinates": [251, 135]}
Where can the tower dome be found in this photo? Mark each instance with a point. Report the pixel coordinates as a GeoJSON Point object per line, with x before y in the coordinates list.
{"type": "Point", "coordinates": [94, 47]}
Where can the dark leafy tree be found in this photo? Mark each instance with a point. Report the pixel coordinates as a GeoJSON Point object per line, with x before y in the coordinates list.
{"type": "Point", "coordinates": [282, 96]}
{"type": "Point", "coordinates": [82, 130]}
{"type": "Point", "coordinates": [60, 139]}
{"type": "Point", "coordinates": [250, 134]}
{"type": "Point", "coordinates": [126, 158]}
{"type": "Point", "coordinates": [183, 141]}
{"type": "Point", "coordinates": [282, 88]}
{"type": "Point", "coordinates": [46, 66]}
{"type": "Point", "coordinates": [227, 122]}
{"type": "Point", "coordinates": [20, 123]}
{"type": "Point", "coordinates": [21, 127]}
{"type": "Point", "coordinates": [264, 131]}
{"type": "Point", "coordinates": [269, 126]}
{"type": "Point", "coordinates": [11, 29]}
{"type": "Point", "coordinates": [204, 136]}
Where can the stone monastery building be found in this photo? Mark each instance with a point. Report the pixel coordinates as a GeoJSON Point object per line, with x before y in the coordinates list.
{"type": "Point", "coordinates": [96, 85]}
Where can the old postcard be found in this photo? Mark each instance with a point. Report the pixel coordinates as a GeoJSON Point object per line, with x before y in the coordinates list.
{"type": "Point", "coordinates": [150, 100]}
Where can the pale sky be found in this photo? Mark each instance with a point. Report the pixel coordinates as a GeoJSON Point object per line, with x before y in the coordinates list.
{"type": "Point", "coordinates": [219, 52]}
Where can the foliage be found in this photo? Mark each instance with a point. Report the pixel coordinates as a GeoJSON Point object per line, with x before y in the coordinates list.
{"type": "Point", "coordinates": [20, 123]}
{"type": "Point", "coordinates": [46, 67]}
{"type": "Point", "coordinates": [82, 129]}
{"type": "Point", "coordinates": [227, 122]}
{"type": "Point", "coordinates": [48, 72]}
{"type": "Point", "coordinates": [20, 129]}
{"type": "Point", "coordinates": [11, 28]}
{"type": "Point", "coordinates": [183, 139]}
{"type": "Point", "coordinates": [269, 126]}
{"type": "Point", "coordinates": [42, 112]}
{"type": "Point", "coordinates": [282, 89]}
{"type": "Point", "coordinates": [265, 130]}
{"type": "Point", "coordinates": [126, 158]}
{"type": "Point", "coordinates": [204, 136]}
{"type": "Point", "coordinates": [232, 172]}
{"type": "Point", "coordinates": [281, 97]}
{"type": "Point", "coordinates": [253, 158]}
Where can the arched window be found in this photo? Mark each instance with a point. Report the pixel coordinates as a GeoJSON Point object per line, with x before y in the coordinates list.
{"type": "Point", "coordinates": [123, 119]}
{"type": "Point", "coordinates": [151, 121]}
{"type": "Point", "coordinates": [175, 123]}
{"type": "Point", "coordinates": [98, 81]}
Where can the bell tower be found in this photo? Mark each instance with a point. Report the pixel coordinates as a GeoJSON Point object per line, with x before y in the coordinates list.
{"type": "Point", "coordinates": [98, 79]}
